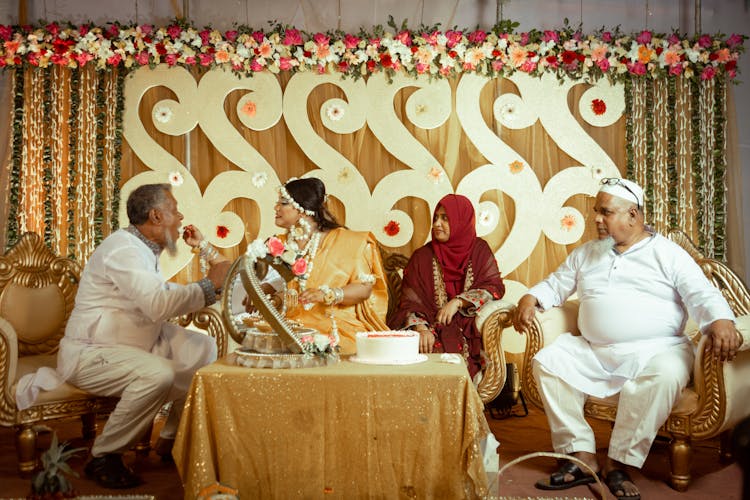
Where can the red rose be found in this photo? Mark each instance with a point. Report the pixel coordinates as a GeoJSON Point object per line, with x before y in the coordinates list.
{"type": "Point", "coordinates": [221, 231]}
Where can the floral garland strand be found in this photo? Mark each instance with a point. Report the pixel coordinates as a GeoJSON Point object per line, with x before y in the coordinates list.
{"type": "Point", "coordinates": [565, 52]}
{"type": "Point", "coordinates": [629, 161]}
{"type": "Point", "coordinates": [17, 149]}
{"type": "Point", "coordinates": [672, 152]}
{"type": "Point", "coordinates": [47, 156]}
{"type": "Point", "coordinates": [117, 144]}
{"type": "Point", "coordinates": [100, 106]}
{"type": "Point", "coordinates": [720, 169]}
{"type": "Point", "coordinates": [696, 161]}
{"type": "Point", "coordinates": [73, 121]}
{"type": "Point", "coordinates": [650, 175]}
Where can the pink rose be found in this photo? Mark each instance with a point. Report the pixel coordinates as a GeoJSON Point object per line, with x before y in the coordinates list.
{"type": "Point", "coordinates": [321, 39]}
{"type": "Point", "coordinates": [606, 37]}
{"type": "Point", "coordinates": [205, 37]}
{"type": "Point", "coordinates": [603, 64]}
{"type": "Point", "coordinates": [454, 38]}
{"type": "Point", "coordinates": [705, 41]}
{"type": "Point", "coordinates": [524, 40]}
{"type": "Point", "coordinates": [675, 69]}
{"type": "Point", "coordinates": [275, 246]}
{"type": "Point", "coordinates": [644, 38]}
{"type": "Point", "coordinates": [708, 73]}
{"type": "Point", "coordinates": [404, 37]}
{"type": "Point", "coordinates": [231, 35]}
{"type": "Point", "coordinates": [351, 41]}
{"type": "Point", "coordinates": [292, 37]}
{"type": "Point", "coordinates": [171, 59]}
{"type": "Point", "coordinates": [673, 39]}
{"type": "Point", "coordinates": [299, 267]}
{"type": "Point", "coordinates": [285, 63]}
{"type": "Point", "coordinates": [477, 37]}
{"type": "Point", "coordinates": [258, 36]}
{"type": "Point", "coordinates": [550, 36]}
{"type": "Point", "coordinates": [735, 40]}
{"type": "Point", "coordinates": [174, 31]}
{"type": "Point", "coordinates": [206, 59]}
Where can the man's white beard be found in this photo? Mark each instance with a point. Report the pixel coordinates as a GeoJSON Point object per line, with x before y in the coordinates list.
{"type": "Point", "coordinates": [171, 246]}
{"type": "Point", "coordinates": [602, 247]}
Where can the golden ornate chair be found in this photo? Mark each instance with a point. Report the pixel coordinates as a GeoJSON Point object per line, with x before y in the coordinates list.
{"type": "Point", "coordinates": [714, 401]}
{"type": "Point", "coordinates": [37, 293]}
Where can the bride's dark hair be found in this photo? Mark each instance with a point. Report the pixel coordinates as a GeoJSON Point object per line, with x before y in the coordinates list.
{"type": "Point", "coordinates": [311, 194]}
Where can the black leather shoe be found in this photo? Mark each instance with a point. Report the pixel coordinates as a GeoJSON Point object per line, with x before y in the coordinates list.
{"type": "Point", "coordinates": [110, 472]}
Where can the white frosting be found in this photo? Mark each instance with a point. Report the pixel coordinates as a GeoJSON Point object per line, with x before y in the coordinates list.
{"type": "Point", "coordinates": [388, 347]}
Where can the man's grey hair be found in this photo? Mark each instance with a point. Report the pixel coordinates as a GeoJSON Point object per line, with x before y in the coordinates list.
{"type": "Point", "coordinates": [145, 198]}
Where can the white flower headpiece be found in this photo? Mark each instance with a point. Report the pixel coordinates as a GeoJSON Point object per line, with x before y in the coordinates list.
{"type": "Point", "coordinates": [285, 194]}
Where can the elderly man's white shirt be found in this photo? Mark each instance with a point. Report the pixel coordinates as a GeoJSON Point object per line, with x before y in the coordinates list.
{"type": "Point", "coordinates": [122, 299]}
{"type": "Point", "coordinates": [632, 306]}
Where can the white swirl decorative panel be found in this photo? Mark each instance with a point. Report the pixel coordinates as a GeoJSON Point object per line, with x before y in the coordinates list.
{"type": "Point", "coordinates": [431, 104]}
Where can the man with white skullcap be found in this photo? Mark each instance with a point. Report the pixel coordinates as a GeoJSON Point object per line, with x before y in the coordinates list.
{"type": "Point", "coordinates": [636, 289]}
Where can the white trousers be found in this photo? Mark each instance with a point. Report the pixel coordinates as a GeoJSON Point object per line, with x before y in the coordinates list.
{"type": "Point", "coordinates": [645, 402]}
{"type": "Point", "coordinates": [144, 382]}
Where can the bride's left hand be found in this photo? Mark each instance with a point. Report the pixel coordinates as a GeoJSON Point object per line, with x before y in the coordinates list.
{"type": "Point", "coordinates": [311, 296]}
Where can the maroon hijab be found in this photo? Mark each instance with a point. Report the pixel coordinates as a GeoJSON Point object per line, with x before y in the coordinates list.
{"type": "Point", "coordinates": [453, 255]}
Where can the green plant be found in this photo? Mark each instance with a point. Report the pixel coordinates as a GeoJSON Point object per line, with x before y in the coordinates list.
{"type": "Point", "coordinates": [51, 482]}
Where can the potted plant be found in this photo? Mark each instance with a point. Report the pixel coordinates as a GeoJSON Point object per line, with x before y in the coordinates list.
{"type": "Point", "coordinates": [51, 482]}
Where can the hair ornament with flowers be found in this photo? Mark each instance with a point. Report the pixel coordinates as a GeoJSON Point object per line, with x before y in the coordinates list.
{"type": "Point", "coordinates": [285, 195]}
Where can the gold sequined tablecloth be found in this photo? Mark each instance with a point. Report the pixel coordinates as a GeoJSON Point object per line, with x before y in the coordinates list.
{"type": "Point", "coordinates": [348, 430]}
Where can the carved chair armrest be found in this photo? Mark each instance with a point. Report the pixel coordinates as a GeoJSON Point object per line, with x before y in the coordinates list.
{"type": "Point", "coordinates": [8, 365]}
{"type": "Point", "coordinates": [211, 320]}
{"type": "Point", "coordinates": [723, 388]}
{"type": "Point", "coordinates": [491, 320]}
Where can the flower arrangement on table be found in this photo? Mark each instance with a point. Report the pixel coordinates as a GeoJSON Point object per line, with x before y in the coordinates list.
{"type": "Point", "coordinates": [273, 251]}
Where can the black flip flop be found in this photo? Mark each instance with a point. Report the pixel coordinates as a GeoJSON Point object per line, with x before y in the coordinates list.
{"type": "Point", "coordinates": [557, 480]}
{"type": "Point", "coordinates": [110, 472]}
{"type": "Point", "coordinates": [614, 480]}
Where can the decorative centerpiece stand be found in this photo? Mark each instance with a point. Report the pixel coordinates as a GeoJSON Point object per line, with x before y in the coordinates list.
{"type": "Point", "coordinates": [273, 341]}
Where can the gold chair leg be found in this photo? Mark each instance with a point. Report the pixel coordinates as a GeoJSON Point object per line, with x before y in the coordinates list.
{"type": "Point", "coordinates": [725, 450]}
{"type": "Point", "coordinates": [26, 448]}
{"type": "Point", "coordinates": [143, 447]}
{"type": "Point", "coordinates": [88, 426]}
{"type": "Point", "coordinates": [680, 457]}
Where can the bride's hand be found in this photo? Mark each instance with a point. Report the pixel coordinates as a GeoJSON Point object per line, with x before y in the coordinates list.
{"type": "Point", "coordinates": [311, 296]}
{"type": "Point", "coordinates": [192, 235]}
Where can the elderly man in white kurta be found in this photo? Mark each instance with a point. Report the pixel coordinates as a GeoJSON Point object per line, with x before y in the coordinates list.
{"type": "Point", "coordinates": [118, 341]}
{"type": "Point", "coordinates": [636, 289]}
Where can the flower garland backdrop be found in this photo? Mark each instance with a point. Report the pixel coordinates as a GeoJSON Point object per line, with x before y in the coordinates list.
{"type": "Point", "coordinates": [483, 112]}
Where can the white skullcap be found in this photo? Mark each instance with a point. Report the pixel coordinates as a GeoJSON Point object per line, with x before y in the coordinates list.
{"type": "Point", "coordinates": [623, 188]}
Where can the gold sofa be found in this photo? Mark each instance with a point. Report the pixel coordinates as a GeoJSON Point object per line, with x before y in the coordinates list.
{"type": "Point", "coordinates": [37, 292]}
{"type": "Point", "coordinates": [715, 400]}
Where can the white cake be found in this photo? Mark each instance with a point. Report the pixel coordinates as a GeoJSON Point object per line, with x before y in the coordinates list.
{"type": "Point", "coordinates": [388, 347]}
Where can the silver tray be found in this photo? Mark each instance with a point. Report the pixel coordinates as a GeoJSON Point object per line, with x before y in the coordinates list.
{"type": "Point", "coordinates": [251, 359]}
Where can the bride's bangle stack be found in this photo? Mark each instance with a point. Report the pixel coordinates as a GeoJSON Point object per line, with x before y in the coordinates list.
{"type": "Point", "coordinates": [207, 254]}
{"type": "Point", "coordinates": [331, 296]}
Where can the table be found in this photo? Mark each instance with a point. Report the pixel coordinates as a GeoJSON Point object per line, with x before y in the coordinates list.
{"type": "Point", "coordinates": [347, 430]}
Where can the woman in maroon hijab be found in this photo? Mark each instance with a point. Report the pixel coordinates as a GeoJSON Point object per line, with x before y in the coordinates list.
{"type": "Point", "coordinates": [446, 281]}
